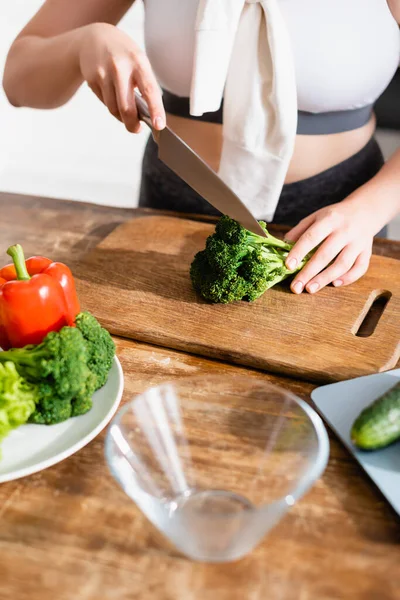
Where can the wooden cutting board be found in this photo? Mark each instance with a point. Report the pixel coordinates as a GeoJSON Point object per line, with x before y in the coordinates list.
{"type": "Point", "coordinates": [136, 281]}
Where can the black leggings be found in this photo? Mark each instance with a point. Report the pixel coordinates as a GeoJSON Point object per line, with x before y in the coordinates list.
{"type": "Point", "coordinates": [162, 189]}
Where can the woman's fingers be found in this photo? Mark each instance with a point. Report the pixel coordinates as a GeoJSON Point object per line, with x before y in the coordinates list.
{"type": "Point", "coordinates": [359, 269]}
{"type": "Point", "coordinates": [96, 89]}
{"type": "Point", "coordinates": [150, 91]}
{"type": "Point", "coordinates": [343, 263]}
{"type": "Point", "coordinates": [294, 234]}
{"type": "Point", "coordinates": [125, 80]}
{"type": "Point", "coordinates": [340, 237]}
{"type": "Point", "coordinates": [125, 94]}
{"type": "Point", "coordinates": [111, 62]}
{"type": "Point", "coordinates": [327, 252]}
{"type": "Point", "coordinates": [309, 240]}
{"type": "Point", "coordinates": [115, 86]}
{"type": "Point", "coordinates": [108, 92]}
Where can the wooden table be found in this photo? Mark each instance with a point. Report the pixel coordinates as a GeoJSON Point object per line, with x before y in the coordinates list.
{"type": "Point", "coordinates": [69, 532]}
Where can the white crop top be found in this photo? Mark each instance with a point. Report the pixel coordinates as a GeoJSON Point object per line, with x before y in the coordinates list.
{"type": "Point", "coordinates": [345, 52]}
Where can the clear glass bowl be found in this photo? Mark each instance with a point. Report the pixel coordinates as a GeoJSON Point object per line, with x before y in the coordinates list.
{"type": "Point", "coordinates": [215, 462]}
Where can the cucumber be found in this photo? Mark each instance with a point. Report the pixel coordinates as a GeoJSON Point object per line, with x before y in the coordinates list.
{"type": "Point", "coordinates": [378, 425]}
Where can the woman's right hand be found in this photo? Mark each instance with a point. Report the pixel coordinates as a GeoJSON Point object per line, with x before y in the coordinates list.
{"type": "Point", "coordinates": [113, 66]}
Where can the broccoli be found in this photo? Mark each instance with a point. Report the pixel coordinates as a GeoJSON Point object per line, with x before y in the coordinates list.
{"type": "Point", "coordinates": [82, 403]}
{"type": "Point", "coordinates": [64, 370]}
{"type": "Point", "coordinates": [59, 367]}
{"type": "Point", "coordinates": [239, 265]}
{"type": "Point", "coordinates": [100, 347]}
{"type": "Point", "coordinates": [18, 399]}
{"type": "Point", "coordinates": [51, 410]}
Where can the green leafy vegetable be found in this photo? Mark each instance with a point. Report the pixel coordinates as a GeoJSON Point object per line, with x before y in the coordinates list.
{"type": "Point", "coordinates": [239, 265]}
{"type": "Point", "coordinates": [18, 399]}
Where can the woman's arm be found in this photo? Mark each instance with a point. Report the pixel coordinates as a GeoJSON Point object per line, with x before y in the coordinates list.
{"type": "Point", "coordinates": [345, 232]}
{"type": "Point", "coordinates": [71, 41]}
{"type": "Point", "coordinates": [42, 68]}
{"type": "Point", "coordinates": [394, 6]}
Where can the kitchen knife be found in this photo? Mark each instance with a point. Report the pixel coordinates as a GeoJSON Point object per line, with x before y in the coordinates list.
{"type": "Point", "coordinates": [185, 163]}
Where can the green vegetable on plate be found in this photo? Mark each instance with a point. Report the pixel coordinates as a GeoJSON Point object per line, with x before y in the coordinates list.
{"type": "Point", "coordinates": [67, 368]}
{"type": "Point", "coordinates": [378, 425]}
{"type": "Point", "coordinates": [17, 399]}
{"type": "Point", "coordinates": [100, 347]}
{"type": "Point", "coordinates": [59, 367]}
{"type": "Point", "coordinates": [239, 265]}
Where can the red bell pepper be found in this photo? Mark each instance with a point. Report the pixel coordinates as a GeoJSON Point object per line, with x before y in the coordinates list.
{"type": "Point", "coordinates": [36, 296]}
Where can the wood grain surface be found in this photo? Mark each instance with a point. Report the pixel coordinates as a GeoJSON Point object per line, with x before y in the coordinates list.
{"type": "Point", "coordinates": [147, 295]}
{"type": "Point", "coordinates": [70, 533]}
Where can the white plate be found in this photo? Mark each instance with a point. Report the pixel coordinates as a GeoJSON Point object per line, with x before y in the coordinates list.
{"type": "Point", "coordinates": [339, 404]}
{"type": "Point", "coordinates": [32, 448]}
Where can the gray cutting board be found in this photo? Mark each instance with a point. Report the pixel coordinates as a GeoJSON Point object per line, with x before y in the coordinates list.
{"type": "Point", "coordinates": [340, 403]}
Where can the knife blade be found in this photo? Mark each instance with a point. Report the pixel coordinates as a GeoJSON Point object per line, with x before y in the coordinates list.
{"type": "Point", "coordinates": [185, 163]}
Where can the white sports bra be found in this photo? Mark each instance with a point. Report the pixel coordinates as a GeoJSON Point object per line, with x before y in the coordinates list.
{"type": "Point", "coordinates": [345, 51]}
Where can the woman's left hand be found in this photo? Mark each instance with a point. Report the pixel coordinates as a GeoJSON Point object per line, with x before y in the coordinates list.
{"type": "Point", "coordinates": [345, 233]}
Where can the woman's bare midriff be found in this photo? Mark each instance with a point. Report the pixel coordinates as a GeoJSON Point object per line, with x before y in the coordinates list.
{"type": "Point", "coordinates": [312, 153]}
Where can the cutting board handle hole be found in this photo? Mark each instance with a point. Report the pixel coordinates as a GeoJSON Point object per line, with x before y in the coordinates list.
{"type": "Point", "coordinates": [373, 315]}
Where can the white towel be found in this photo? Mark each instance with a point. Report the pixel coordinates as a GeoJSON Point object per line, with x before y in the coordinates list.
{"type": "Point", "coordinates": [243, 53]}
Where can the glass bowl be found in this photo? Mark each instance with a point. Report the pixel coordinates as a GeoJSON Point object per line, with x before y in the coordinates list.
{"type": "Point", "coordinates": [214, 462]}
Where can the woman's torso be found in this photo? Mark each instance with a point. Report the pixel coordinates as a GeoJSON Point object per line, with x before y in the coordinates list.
{"type": "Point", "coordinates": [345, 53]}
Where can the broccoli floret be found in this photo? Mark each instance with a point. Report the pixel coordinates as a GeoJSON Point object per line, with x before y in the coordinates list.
{"type": "Point", "coordinates": [230, 231]}
{"type": "Point", "coordinates": [100, 346]}
{"type": "Point", "coordinates": [59, 367]}
{"type": "Point", "coordinates": [216, 286]}
{"type": "Point", "coordinates": [60, 360]}
{"type": "Point", "coordinates": [82, 403]}
{"type": "Point", "coordinates": [51, 410]}
{"type": "Point", "coordinates": [239, 265]}
{"type": "Point", "coordinates": [223, 257]}
{"type": "Point", "coordinates": [254, 269]}
{"type": "Point", "coordinates": [200, 271]}
{"type": "Point", "coordinates": [233, 233]}
{"type": "Point", "coordinates": [18, 399]}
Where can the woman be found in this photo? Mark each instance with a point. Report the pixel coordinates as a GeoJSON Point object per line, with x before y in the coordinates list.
{"type": "Point", "coordinates": [337, 193]}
